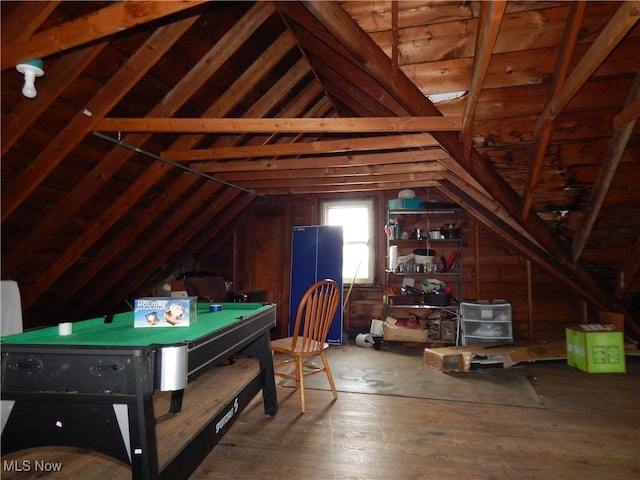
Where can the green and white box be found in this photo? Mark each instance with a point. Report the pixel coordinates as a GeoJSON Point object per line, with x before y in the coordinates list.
{"type": "Point", "coordinates": [595, 348]}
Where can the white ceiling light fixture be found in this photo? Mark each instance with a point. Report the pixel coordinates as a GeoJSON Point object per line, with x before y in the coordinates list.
{"type": "Point", "coordinates": [443, 97]}
{"type": "Point", "coordinates": [30, 70]}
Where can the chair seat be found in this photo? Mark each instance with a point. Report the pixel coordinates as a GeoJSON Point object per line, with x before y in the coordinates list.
{"type": "Point", "coordinates": [283, 345]}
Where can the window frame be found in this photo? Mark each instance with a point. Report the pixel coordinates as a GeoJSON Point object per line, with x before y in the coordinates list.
{"type": "Point", "coordinates": [371, 204]}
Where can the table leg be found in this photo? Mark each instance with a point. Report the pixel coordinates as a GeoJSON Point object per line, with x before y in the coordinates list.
{"type": "Point", "coordinates": [176, 401]}
{"type": "Point", "coordinates": [261, 349]}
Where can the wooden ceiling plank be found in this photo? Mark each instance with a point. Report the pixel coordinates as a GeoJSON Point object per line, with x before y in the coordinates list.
{"type": "Point", "coordinates": [489, 25]}
{"type": "Point", "coordinates": [623, 21]}
{"type": "Point", "coordinates": [116, 88]}
{"type": "Point", "coordinates": [156, 171]}
{"type": "Point", "coordinates": [25, 19]}
{"type": "Point", "coordinates": [227, 102]}
{"type": "Point", "coordinates": [281, 125]}
{"type": "Point", "coordinates": [607, 171]}
{"type": "Point", "coordinates": [116, 157]}
{"type": "Point", "coordinates": [563, 61]}
{"type": "Point", "coordinates": [518, 242]}
{"type": "Point", "coordinates": [110, 20]}
{"type": "Point", "coordinates": [353, 145]}
{"type": "Point", "coordinates": [221, 107]}
{"type": "Point", "coordinates": [73, 133]}
{"type": "Point", "coordinates": [332, 17]}
{"type": "Point", "coordinates": [63, 73]}
{"type": "Point", "coordinates": [173, 234]}
{"type": "Point", "coordinates": [483, 198]}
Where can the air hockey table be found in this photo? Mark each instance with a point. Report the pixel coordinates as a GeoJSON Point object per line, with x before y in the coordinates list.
{"type": "Point", "coordinates": [93, 389]}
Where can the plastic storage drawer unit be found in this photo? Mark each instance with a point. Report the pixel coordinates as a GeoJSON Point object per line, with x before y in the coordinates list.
{"type": "Point", "coordinates": [486, 322]}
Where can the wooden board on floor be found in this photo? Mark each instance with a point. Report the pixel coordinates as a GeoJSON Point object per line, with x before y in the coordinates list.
{"type": "Point", "coordinates": [461, 359]}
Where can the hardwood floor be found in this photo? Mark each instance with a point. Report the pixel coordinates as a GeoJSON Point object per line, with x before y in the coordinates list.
{"type": "Point", "coordinates": [589, 428]}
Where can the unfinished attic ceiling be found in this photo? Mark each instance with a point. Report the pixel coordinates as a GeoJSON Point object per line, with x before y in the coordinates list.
{"type": "Point", "coordinates": [262, 99]}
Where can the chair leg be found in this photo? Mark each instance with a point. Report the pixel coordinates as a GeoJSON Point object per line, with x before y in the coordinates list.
{"type": "Point", "coordinates": [329, 376]}
{"type": "Point", "coordinates": [300, 381]}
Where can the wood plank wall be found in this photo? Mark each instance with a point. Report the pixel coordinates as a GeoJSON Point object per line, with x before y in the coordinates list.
{"type": "Point", "coordinates": [255, 252]}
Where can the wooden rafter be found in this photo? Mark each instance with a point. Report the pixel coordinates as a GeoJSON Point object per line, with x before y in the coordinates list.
{"type": "Point", "coordinates": [25, 20]}
{"type": "Point", "coordinates": [99, 105]}
{"type": "Point", "coordinates": [624, 19]}
{"type": "Point", "coordinates": [63, 73]}
{"type": "Point", "coordinates": [517, 241]}
{"type": "Point", "coordinates": [332, 17]}
{"type": "Point", "coordinates": [490, 19]}
{"type": "Point", "coordinates": [563, 61]}
{"type": "Point", "coordinates": [280, 125]}
{"type": "Point", "coordinates": [153, 174]}
{"type": "Point", "coordinates": [89, 28]}
{"type": "Point", "coordinates": [394, 35]}
{"type": "Point", "coordinates": [353, 145]}
{"type": "Point", "coordinates": [174, 99]}
{"type": "Point", "coordinates": [298, 163]}
{"type": "Point", "coordinates": [629, 114]}
{"type": "Point", "coordinates": [628, 271]}
{"type": "Point", "coordinates": [607, 171]}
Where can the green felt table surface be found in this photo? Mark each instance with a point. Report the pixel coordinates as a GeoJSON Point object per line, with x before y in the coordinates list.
{"type": "Point", "coordinates": [121, 332]}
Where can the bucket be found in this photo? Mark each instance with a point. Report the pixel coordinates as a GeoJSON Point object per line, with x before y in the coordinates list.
{"type": "Point", "coordinates": [365, 340]}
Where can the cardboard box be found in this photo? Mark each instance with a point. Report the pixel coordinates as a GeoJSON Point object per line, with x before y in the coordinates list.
{"type": "Point", "coordinates": [461, 359]}
{"type": "Point", "coordinates": [447, 360]}
{"type": "Point", "coordinates": [165, 311]}
{"type": "Point", "coordinates": [596, 348]}
{"type": "Point", "coordinates": [395, 333]}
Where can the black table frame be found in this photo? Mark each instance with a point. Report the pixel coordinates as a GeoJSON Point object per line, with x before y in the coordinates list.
{"type": "Point", "coordinates": [76, 396]}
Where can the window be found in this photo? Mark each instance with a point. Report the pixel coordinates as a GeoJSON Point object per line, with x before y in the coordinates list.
{"type": "Point", "coordinates": [357, 219]}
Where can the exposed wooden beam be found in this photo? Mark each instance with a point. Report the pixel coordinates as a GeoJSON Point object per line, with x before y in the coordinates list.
{"type": "Point", "coordinates": [624, 19]}
{"type": "Point", "coordinates": [173, 234]}
{"type": "Point", "coordinates": [518, 242]}
{"type": "Point", "coordinates": [323, 161]}
{"type": "Point", "coordinates": [488, 27]}
{"type": "Point", "coordinates": [156, 171]}
{"type": "Point", "coordinates": [563, 61]}
{"type": "Point", "coordinates": [351, 145]}
{"type": "Point", "coordinates": [76, 130]}
{"type": "Point", "coordinates": [394, 34]}
{"type": "Point", "coordinates": [368, 56]}
{"type": "Point", "coordinates": [280, 125]}
{"type": "Point", "coordinates": [73, 133]}
{"type": "Point", "coordinates": [628, 271]}
{"type": "Point", "coordinates": [27, 112]}
{"type": "Point", "coordinates": [629, 114]}
{"type": "Point", "coordinates": [362, 171]}
{"type": "Point", "coordinates": [607, 171]}
{"type": "Point", "coordinates": [340, 189]}
{"type": "Point", "coordinates": [57, 217]}
{"type": "Point", "coordinates": [110, 20]}
{"type": "Point", "coordinates": [24, 20]}
{"type": "Point", "coordinates": [357, 181]}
